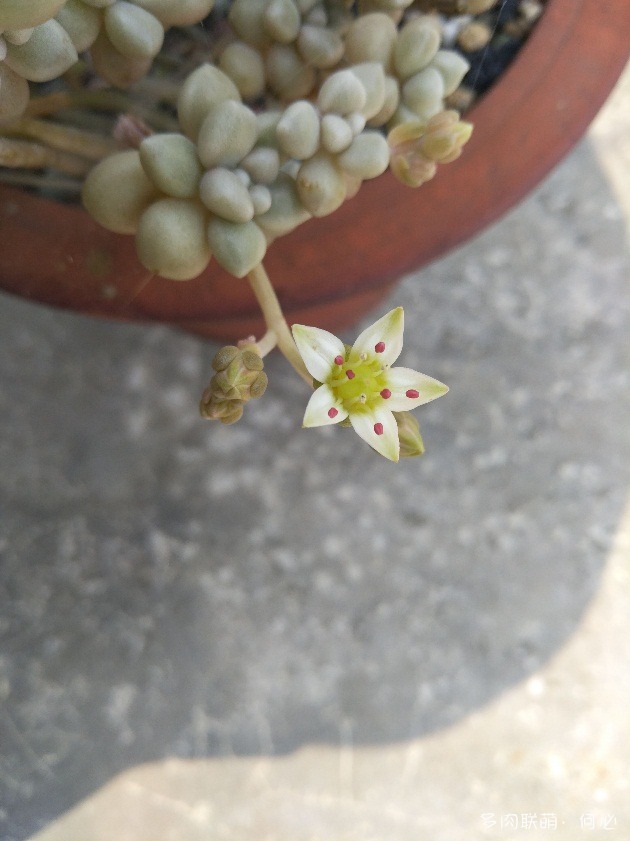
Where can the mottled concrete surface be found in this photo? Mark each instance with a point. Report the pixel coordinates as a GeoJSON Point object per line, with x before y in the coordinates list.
{"type": "Point", "coordinates": [302, 640]}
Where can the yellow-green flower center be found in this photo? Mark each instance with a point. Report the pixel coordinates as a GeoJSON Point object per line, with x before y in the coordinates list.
{"type": "Point", "coordinates": [358, 384]}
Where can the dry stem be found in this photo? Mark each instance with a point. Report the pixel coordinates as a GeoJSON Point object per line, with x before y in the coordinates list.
{"type": "Point", "coordinates": [87, 144]}
{"type": "Point", "coordinates": [26, 155]}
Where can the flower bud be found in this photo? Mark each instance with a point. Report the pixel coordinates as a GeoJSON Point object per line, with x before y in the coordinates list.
{"type": "Point", "coordinates": [416, 148]}
{"type": "Point", "coordinates": [239, 377]}
{"type": "Point", "coordinates": [444, 137]}
{"type": "Point", "coordinates": [411, 443]}
{"type": "Point", "coordinates": [224, 357]}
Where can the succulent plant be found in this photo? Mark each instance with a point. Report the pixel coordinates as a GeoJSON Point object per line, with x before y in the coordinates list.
{"type": "Point", "coordinates": [41, 39]}
{"type": "Point", "coordinates": [234, 178]}
{"type": "Point", "coordinates": [294, 104]}
{"type": "Point", "coordinates": [33, 47]}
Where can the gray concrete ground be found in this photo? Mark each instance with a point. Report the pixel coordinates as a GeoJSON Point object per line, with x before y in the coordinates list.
{"type": "Point", "coordinates": [262, 633]}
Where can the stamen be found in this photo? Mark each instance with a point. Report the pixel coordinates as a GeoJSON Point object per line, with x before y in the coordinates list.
{"type": "Point", "coordinates": [412, 393]}
{"type": "Point", "coordinates": [378, 428]}
{"type": "Point", "coordinates": [380, 347]}
{"type": "Point", "coordinates": [386, 394]}
{"type": "Point", "coordinates": [339, 360]}
{"type": "Point", "coordinates": [332, 413]}
{"type": "Point", "coordinates": [363, 356]}
{"type": "Point", "coordinates": [363, 398]}
{"type": "Point", "coordinates": [350, 374]}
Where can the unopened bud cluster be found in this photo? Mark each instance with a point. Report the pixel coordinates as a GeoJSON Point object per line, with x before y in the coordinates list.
{"type": "Point", "coordinates": [239, 377]}
{"type": "Point", "coordinates": [416, 148]}
{"type": "Point", "coordinates": [41, 39]}
{"type": "Point", "coordinates": [335, 78]}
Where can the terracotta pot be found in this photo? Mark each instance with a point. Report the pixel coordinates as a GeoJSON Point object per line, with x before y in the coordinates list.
{"type": "Point", "coordinates": [330, 271]}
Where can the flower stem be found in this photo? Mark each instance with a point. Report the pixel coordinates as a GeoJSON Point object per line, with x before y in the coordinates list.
{"type": "Point", "coordinates": [274, 318]}
{"type": "Point", "coordinates": [267, 343]}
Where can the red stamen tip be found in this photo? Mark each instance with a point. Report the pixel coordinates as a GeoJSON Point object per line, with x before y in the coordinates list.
{"type": "Point", "coordinates": [378, 428]}
{"type": "Point", "coordinates": [380, 347]}
{"type": "Point", "coordinates": [386, 394]}
{"type": "Point", "coordinates": [412, 393]}
{"type": "Point", "coordinates": [350, 374]}
{"type": "Point", "coordinates": [332, 413]}
{"type": "Point", "coordinates": [339, 360]}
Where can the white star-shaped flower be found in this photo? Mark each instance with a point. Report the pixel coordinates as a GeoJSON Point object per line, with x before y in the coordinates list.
{"type": "Point", "coordinates": [360, 383]}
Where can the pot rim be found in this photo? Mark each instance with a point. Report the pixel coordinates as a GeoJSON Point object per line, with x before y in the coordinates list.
{"type": "Point", "coordinates": [524, 125]}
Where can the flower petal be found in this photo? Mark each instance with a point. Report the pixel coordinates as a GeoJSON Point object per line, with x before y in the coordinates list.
{"type": "Point", "coordinates": [386, 443]}
{"type": "Point", "coordinates": [318, 348]}
{"type": "Point", "coordinates": [320, 407]}
{"type": "Point", "coordinates": [401, 381]}
{"type": "Point", "coordinates": [386, 334]}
